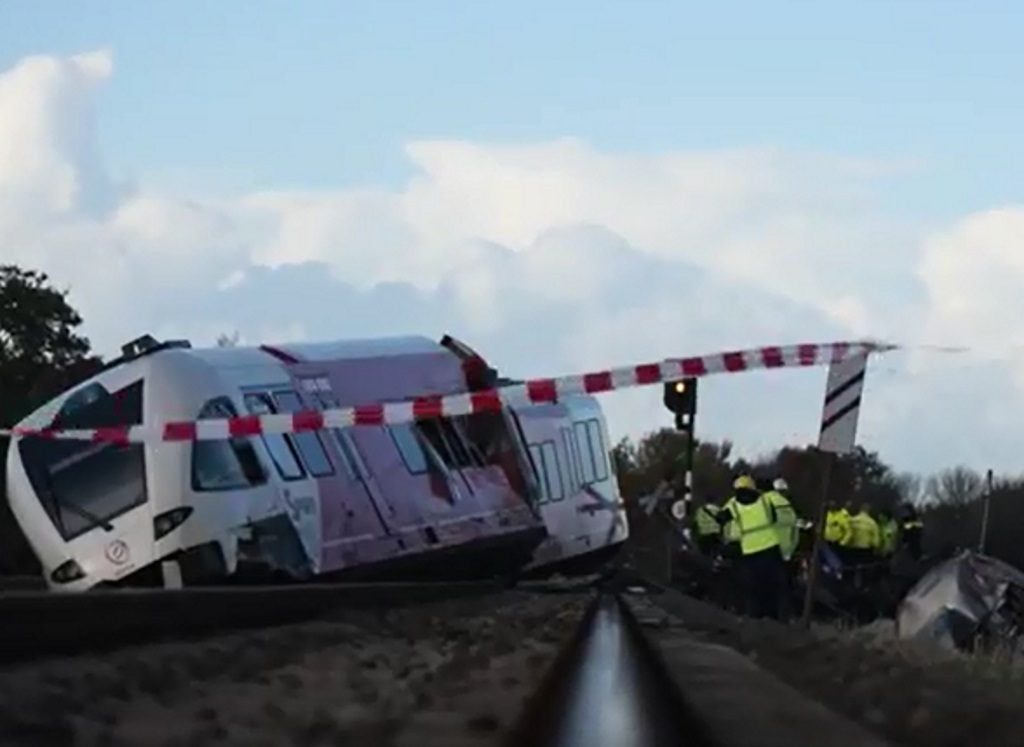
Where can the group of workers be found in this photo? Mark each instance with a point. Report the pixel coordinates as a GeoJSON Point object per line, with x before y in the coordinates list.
{"type": "Point", "coordinates": [760, 530]}
{"type": "Point", "coordinates": [860, 538]}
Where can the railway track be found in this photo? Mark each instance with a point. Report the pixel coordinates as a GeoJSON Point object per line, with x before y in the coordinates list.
{"type": "Point", "coordinates": [601, 673]}
{"type": "Point", "coordinates": [615, 684]}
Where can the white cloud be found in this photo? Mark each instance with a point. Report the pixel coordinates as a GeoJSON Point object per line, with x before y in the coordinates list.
{"type": "Point", "coordinates": [549, 257]}
{"type": "Point", "coordinates": [974, 272]}
{"type": "Point", "coordinates": [48, 158]}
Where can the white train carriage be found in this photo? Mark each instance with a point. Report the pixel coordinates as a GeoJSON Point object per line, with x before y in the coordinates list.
{"type": "Point", "coordinates": [579, 499]}
{"type": "Point", "coordinates": [366, 498]}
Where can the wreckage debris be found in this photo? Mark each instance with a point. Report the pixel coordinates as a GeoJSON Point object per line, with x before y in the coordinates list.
{"type": "Point", "coordinates": [968, 601]}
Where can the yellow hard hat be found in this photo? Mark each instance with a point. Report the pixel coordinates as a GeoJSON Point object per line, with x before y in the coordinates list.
{"type": "Point", "coordinates": [744, 482]}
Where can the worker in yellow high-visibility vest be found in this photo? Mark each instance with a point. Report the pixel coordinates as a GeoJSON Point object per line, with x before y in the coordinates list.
{"type": "Point", "coordinates": [889, 531]}
{"type": "Point", "coordinates": [837, 527]}
{"type": "Point", "coordinates": [756, 522]}
{"type": "Point", "coordinates": [708, 532]}
{"type": "Point", "coordinates": [865, 537]}
{"type": "Point", "coordinates": [786, 517]}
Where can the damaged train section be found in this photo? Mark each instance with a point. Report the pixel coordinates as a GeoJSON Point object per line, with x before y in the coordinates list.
{"type": "Point", "coordinates": [483, 494]}
{"type": "Point", "coordinates": [968, 602]}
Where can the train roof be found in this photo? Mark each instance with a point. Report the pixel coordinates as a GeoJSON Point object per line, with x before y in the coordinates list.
{"type": "Point", "coordinates": [336, 350]}
{"type": "Point", "coordinates": [143, 352]}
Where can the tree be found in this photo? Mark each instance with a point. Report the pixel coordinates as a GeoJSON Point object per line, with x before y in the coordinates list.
{"type": "Point", "coordinates": [228, 341]}
{"type": "Point", "coordinates": [660, 456]}
{"type": "Point", "coordinates": [41, 354]}
{"type": "Point", "coordinates": [957, 486]}
{"type": "Point", "coordinates": [624, 462]}
{"type": "Point", "coordinates": [38, 342]}
{"type": "Point", "coordinates": [911, 487]}
{"type": "Point", "coordinates": [865, 478]}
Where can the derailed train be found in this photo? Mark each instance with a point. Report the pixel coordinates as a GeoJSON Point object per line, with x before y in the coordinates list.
{"type": "Point", "coordinates": [528, 489]}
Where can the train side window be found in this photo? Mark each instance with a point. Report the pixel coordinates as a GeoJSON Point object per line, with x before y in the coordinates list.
{"type": "Point", "coordinates": [552, 468]}
{"type": "Point", "coordinates": [447, 442]}
{"type": "Point", "coordinates": [542, 477]}
{"type": "Point", "coordinates": [564, 469]}
{"type": "Point", "coordinates": [589, 469]}
{"type": "Point", "coordinates": [310, 447]}
{"type": "Point", "coordinates": [230, 464]}
{"type": "Point", "coordinates": [457, 442]}
{"type": "Point", "coordinates": [94, 407]}
{"type": "Point", "coordinates": [600, 452]}
{"type": "Point", "coordinates": [573, 469]}
{"type": "Point", "coordinates": [280, 447]}
{"type": "Point", "coordinates": [350, 457]}
{"type": "Point", "coordinates": [83, 398]}
{"type": "Point", "coordinates": [409, 447]}
{"type": "Point", "coordinates": [577, 457]}
{"type": "Point", "coordinates": [462, 426]}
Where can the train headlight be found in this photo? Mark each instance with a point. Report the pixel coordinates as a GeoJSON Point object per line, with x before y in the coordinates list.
{"type": "Point", "coordinates": [67, 572]}
{"type": "Point", "coordinates": [167, 522]}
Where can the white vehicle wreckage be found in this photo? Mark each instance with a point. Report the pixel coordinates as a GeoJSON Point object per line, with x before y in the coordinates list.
{"type": "Point", "coordinates": [968, 601]}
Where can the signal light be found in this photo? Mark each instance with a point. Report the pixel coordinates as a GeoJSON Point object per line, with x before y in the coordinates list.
{"type": "Point", "coordinates": [681, 396]}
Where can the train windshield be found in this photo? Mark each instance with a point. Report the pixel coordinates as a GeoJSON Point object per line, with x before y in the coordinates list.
{"type": "Point", "coordinates": [83, 485]}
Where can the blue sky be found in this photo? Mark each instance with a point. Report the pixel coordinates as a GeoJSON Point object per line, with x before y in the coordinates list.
{"type": "Point", "coordinates": [567, 185]}
{"type": "Point", "coordinates": [337, 88]}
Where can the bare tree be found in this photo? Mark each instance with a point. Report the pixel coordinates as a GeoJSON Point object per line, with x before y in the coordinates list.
{"type": "Point", "coordinates": [911, 487]}
{"type": "Point", "coordinates": [228, 341]}
{"type": "Point", "coordinates": [957, 486]}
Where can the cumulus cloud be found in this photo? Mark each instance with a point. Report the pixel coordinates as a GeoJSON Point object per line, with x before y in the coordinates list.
{"type": "Point", "coordinates": [549, 257]}
{"type": "Point", "coordinates": [49, 163]}
{"type": "Point", "coordinates": [974, 271]}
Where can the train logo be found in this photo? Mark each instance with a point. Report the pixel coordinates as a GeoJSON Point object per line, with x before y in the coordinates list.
{"type": "Point", "coordinates": [117, 552]}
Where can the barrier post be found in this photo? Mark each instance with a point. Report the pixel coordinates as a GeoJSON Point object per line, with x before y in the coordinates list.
{"type": "Point", "coordinates": [819, 535]}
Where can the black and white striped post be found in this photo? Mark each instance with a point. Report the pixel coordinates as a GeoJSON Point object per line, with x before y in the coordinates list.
{"type": "Point", "coordinates": [843, 394]}
{"type": "Point", "coordinates": [844, 390]}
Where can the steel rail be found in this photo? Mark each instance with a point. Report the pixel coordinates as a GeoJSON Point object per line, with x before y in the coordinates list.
{"type": "Point", "coordinates": [608, 687]}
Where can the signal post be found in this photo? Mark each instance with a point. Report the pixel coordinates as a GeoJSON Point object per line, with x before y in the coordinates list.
{"type": "Point", "coordinates": [680, 398]}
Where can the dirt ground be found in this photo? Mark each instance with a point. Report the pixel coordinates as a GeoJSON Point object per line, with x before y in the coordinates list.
{"type": "Point", "coordinates": [458, 673]}
{"type": "Point", "coordinates": [910, 695]}
{"type": "Point", "coordinates": [448, 673]}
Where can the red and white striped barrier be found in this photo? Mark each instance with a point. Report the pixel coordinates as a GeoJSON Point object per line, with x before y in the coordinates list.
{"type": "Point", "coordinates": [535, 391]}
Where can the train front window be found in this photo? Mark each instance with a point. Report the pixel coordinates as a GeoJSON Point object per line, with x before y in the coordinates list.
{"type": "Point", "coordinates": [83, 485]}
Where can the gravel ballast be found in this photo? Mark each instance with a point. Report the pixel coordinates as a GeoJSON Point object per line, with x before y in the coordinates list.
{"type": "Point", "coordinates": [907, 694]}
{"type": "Point", "coordinates": [459, 673]}
{"type": "Point", "coordinates": [448, 673]}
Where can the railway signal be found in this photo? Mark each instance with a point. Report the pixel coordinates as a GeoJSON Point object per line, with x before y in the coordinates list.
{"type": "Point", "coordinates": [681, 399]}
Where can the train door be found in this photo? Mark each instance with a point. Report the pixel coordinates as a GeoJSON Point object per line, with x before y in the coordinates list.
{"type": "Point", "coordinates": [362, 494]}
{"type": "Point", "coordinates": [298, 462]}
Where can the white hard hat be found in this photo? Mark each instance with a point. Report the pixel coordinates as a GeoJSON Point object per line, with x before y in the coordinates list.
{"type": "Point", "coordinates": [781, 485]}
